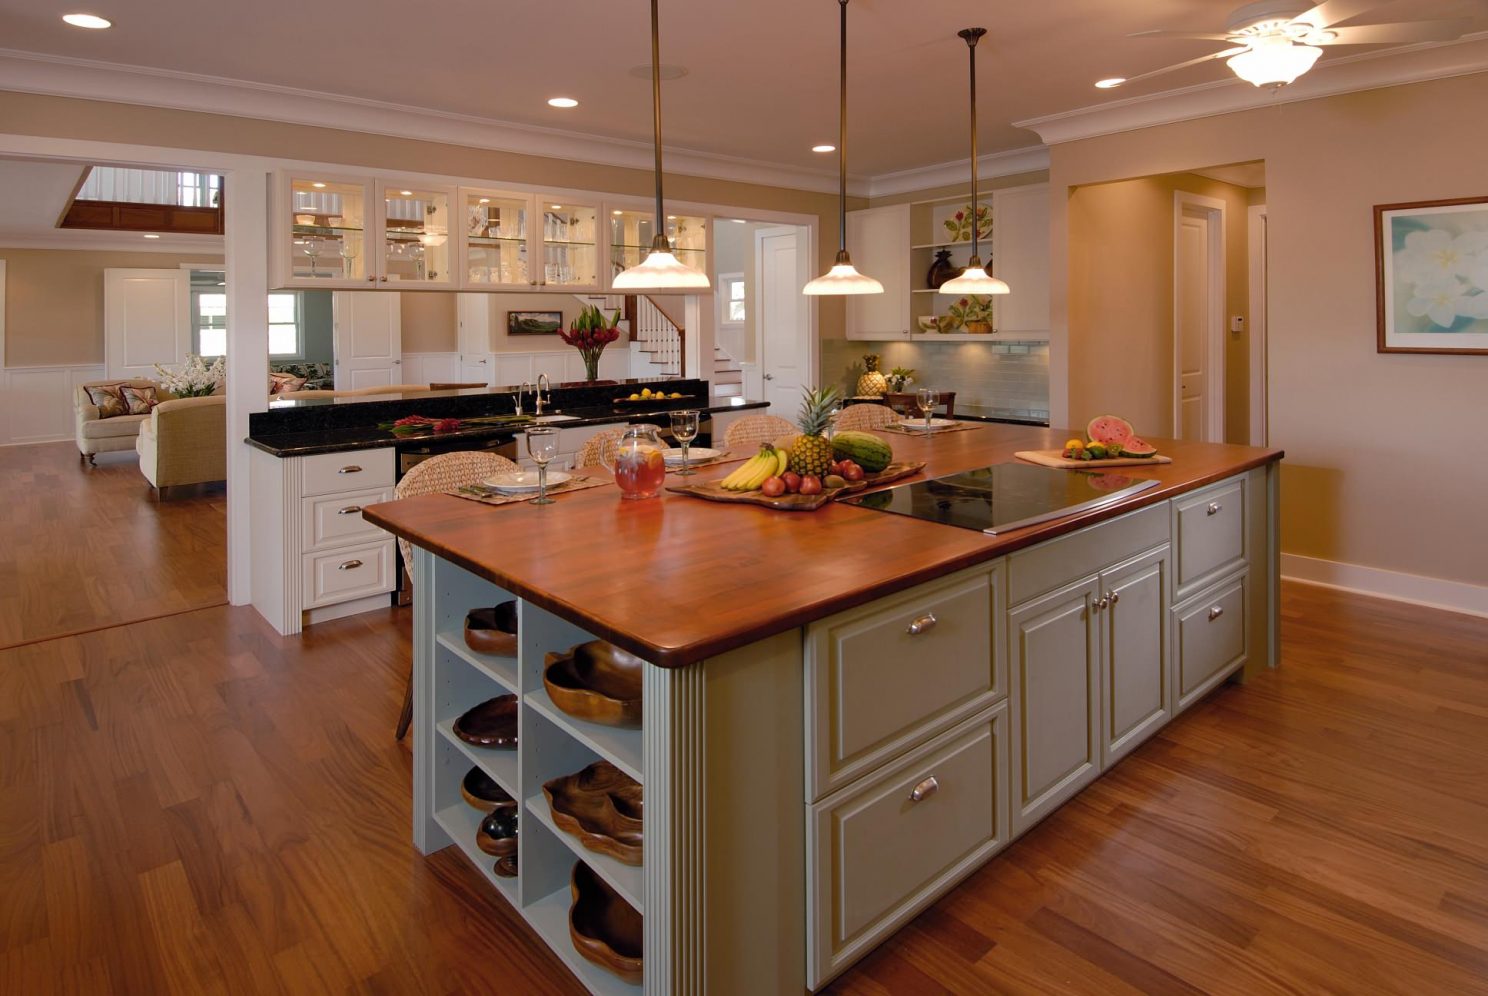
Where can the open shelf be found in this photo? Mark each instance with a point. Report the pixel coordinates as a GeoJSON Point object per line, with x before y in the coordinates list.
{"type": "Point", "coordinates": [502, 670]}
{"type": "Point", "coordinates": [498, 762]}
{"type": "Point", "coordinates": [461, 822]}
{"type": "Point", "coordinates": [549, 917]}
{"type": "Point", "coordinates": [622, 748]}
{"type": "Point", "coordinates": [625, 879]}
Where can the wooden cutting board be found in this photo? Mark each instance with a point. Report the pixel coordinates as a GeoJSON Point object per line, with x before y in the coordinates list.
{"type": "Point", "coordinates": [1054, 458]}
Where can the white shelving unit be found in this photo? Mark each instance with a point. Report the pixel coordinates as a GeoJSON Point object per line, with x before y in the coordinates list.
{"type": "Point", "coordinates": [449, 679]}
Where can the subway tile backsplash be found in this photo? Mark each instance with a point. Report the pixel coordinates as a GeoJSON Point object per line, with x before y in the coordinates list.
{"type": "Point", "coordinates": [989, 378]}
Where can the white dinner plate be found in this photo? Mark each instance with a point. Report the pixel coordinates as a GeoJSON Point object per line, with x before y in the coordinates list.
{"type": "Point", "coordinates": [674, 455]}
{"type": "Point", "coordinates": [919, 423]}
{"type": "Point", "coordinates": [524, 480]}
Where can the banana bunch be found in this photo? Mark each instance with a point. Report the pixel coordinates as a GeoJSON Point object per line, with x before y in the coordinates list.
{"type": "Point", "coordinates": [768, 462]}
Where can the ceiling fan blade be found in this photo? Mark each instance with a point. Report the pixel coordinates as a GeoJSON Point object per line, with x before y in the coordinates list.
{"type": "Point", "coordinates": [1160, 33]}
{"type": "Point", "coordinates": [1400, 34]}
{"type": "Point", "coordinates": [1336, 11]}
{"type": "Point", "coordinates": [1184, 65]}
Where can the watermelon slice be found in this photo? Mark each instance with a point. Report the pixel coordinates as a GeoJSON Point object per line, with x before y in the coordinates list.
{"type": "Point", "coordinates": [1109, 429]}
{"type": "Point", "coordinates": [1134, 447]}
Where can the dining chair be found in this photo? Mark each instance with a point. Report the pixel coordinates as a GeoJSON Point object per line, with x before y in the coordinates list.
{"type": "Point", "coordinates": [748, 432]}
{"type": "Point", "coordinates": [867, 416]}
{"type": "Point", "coordinates": [907, 404]}
{"type": "Point", "coordinates": [599, 446]}
{"type": "Point", "coordinates": [439, 473]}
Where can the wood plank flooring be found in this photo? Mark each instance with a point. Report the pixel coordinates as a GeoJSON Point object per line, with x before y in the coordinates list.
{"type": "Point", "coordinates": [85, 548]}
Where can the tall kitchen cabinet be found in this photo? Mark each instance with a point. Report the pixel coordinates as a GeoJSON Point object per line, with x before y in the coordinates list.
{"type": "Point", "coordinates": [879, 240]}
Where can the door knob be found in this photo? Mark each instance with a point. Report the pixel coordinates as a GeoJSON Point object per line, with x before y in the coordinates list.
{"type": "Point", "coordinates": [769, 376]}
{"type": "Point", "coordinates": [1102, 602]}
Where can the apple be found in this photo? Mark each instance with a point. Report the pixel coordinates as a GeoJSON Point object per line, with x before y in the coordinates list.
{"type": "Point", "coordinates": [792, 481]}
{"type": "Point", "coordinates": [773, 487]}
{"type": "Point", "coordinates": [811, 485]}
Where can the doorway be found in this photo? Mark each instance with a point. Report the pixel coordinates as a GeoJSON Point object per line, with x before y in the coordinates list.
{"type": "Point", "coordinates": [1198, 317]}
{"type": "Point", "coordinates": [785, 350]}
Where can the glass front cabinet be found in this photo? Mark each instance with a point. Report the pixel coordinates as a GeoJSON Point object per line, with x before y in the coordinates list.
{"type": "Point", "coordinates": [517, 241]}
{"type": "Point", "coordinates": [631, 232]}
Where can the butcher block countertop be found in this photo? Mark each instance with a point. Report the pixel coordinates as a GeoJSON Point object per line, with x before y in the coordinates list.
{"type": "Point", "coordinates": [677, 580]}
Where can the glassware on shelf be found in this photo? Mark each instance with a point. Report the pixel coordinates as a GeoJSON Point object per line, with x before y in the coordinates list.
{"type": "Point", "coordinates": [685, 429]}
{"type": "Point", "coordinates": [542, 446]}
{"type": "Point", "coordinates": [638, 463]}
{"type": "Point", "coordinates": [312, 250]}
{"type": "Point", "coordinates": [926, 399]}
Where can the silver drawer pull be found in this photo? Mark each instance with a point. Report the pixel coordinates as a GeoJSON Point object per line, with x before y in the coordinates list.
{"type": "Point", "coordinates": [349, 565]}
{"type": "Point", "coordinates": [1216, 612]}
{"type": "Point", "coordinates": [924, 790]}
{"type": "Point", "coordinates": [350, 468]}
{"type": "Point", "coordinates": [1215, 508]}
{"type": "Point", "coordinates": [349, 510]}
{"type": "Point", "coordinates": [922, 624]}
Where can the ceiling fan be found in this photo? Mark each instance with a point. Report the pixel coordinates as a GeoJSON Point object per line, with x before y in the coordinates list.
{"type": "Point", "coordinates": [1275, 41]}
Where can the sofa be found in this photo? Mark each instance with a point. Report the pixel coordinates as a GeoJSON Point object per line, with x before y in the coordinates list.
{"type": "Point", "coordinates": [184, 441]}
{"type": "Point", "coordinates": [107, 435]}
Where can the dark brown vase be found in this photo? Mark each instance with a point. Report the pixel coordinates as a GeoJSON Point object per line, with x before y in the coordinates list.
{"type": "Point", "coordinates": [941, 270]}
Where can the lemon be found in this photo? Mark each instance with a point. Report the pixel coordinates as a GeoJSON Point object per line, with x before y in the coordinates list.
{"type": "Point", "coordinates": [1074, 444]}
{"type": "Point", "coordinates": [634, 397]}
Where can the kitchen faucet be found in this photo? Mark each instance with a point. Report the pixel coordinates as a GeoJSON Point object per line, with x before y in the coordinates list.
{"type": "Point", "coordinates": [520, 392]}
{"type": "Point", "coordinates": [542, 381]}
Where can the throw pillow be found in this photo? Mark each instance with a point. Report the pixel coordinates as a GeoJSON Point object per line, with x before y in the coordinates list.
{"type": "Point", "coordinates": [281, 382]}
{"type": "Point", "coordinates": [139, 400]}
{"type": "Point", "coordinates": [108, 399]}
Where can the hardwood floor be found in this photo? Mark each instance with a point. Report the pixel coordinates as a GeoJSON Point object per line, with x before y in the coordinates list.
{"type": "Point", "coordinates": [87, 548]}
{"type": "Point", "coordinates": [194, 804]}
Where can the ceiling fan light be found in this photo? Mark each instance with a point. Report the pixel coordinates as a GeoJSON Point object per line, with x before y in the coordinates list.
{"type": "Point", "coordinates": [974, 280]}
{"type": "Point", "coordinates": [660, 270]}
{"type": "Point", "coordinates": [1275, 63]}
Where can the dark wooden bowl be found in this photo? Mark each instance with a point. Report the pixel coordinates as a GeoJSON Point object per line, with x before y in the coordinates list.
{"type": "Point", "coordinates": [601, 806]}
{"type": "Point", "coordinates": [493, 723]}
{"type": "Point", "coordinates": [497, 835]}
{"type": "Point", "coordinates": [604, 927]}
{"type": "Point", "coordinates": [493, 630]}
{"type": "Point", "coordinates": [481, 791]}
{"type": "Point", "coordinates": [596, 681]}
{"type": "Point", "coordinates": [506, 867]}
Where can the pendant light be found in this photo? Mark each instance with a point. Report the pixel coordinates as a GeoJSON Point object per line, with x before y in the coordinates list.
{"type": "Point", "coordinates": [843, 277]}
{"type": "Point", "coordinates": [660, 270]}
{"type": "Point", "coordinates": [974, 279]}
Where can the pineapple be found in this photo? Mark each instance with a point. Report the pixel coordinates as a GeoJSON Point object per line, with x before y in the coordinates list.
{"type": "Point", "coordinates": [872, 384]}
{"type": "Point", "coordinates": [812, 452]}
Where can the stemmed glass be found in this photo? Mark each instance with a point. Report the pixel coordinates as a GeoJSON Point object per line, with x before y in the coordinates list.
{"type": "Point", "coordinates": [348, 252]}
{"type": "Point", "coordinates": [685, 429]}
{"type": "Point", "coordinates": [312, 249]}
{"type": "Point", "coordinates": [838, 407]}
{"type": "Point", "coordinates": [542, 446]}
{"type": "Point", "coordinates": [927, 399]}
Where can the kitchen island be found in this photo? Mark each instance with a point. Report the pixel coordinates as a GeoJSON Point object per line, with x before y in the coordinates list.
{"type": "Point", "coordinates": [845, 711]}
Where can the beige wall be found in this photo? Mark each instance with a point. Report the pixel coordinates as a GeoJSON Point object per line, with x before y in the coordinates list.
{"type": "Point", "coordinates": [54, 301]}
{"type": "Point", "coordinates": [431, 322]}
{"type": "Point", "coordinates": [1382, 467]}
{"type": "Point", "coordinates": [1121, 300]}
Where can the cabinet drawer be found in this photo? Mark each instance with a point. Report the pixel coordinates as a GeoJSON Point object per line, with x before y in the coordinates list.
{"type": "Point", "coordinates": [347, 573]}
{"type": "Point", "coordinates": [1210, 636]}
{"type": "Point", "coordinates": [1053, 564]}
{"type": "Point", "coordinates": [885, 677]}
{"type": "Point", "coordinates": [875, 856]}
{"type": "Point", "coordinates": [1209, 530]}
{"type": "Point", "coordinates": [336, 520]}
{"type": "Point", "coordinates": [335, 473]}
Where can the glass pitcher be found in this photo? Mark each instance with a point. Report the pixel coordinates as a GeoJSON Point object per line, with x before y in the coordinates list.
{"type": "Point", "coordinates": [637, 462]}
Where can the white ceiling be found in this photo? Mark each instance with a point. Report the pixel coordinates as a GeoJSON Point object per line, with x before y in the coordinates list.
{"type": "Point", "coordinates": [763, 74]}
{"type": "Point", "coordinates": [34, 194]}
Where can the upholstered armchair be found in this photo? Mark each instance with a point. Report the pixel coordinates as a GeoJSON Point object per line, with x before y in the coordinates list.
{"type": "Point", "coordinates": [184, 442]}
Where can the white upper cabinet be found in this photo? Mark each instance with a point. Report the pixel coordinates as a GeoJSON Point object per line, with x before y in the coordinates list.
{"type": "Point", "coordinates": [1020, 241]}
{"type": "Point", "coordinates": [878, 239]}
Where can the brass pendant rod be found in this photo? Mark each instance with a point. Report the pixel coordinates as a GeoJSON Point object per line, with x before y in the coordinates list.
{"type": "Point", "coordinates": [660, 240]}
{"type": "Point", "coordinates": [972, 36]}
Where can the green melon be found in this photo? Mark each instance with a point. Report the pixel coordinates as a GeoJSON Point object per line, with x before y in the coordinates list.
{"type": "Point", "coordinates": [862, 448]}
{"type": "Point", "coordinates": [1134, 447]}
{"type": "Point", "coordinates": [1108, 429]}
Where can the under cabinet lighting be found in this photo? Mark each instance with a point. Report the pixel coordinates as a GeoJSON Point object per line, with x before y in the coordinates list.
{"type": "Point", "coordinates": [92, 21]}
{"type": "Point", "coordinates": [485, 200]}
{"type": "Point", "coordinates": [556, 207]}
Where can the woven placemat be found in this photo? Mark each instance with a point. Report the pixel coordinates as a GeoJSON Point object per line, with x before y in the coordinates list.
{"type": "Point", "coordinates": [487, 496]}
{"type": "Point", "coordinates": [724, 456]}
{"type": "Point", "coordinates": [939, 431]}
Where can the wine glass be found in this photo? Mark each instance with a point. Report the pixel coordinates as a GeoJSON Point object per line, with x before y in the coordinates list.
{"type": "Point", "coordinates": [685, 429]}
{"type": "Point", "coordinates": [348, 252]}
{"type": "Point", "coordinates": [926, 399]}
{"type": "Point", "coordinates": [542, 446]}
{"type": "Point", "coordinates": [312, 249]}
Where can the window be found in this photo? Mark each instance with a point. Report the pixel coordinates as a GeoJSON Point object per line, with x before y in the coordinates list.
{"type": "Point", "coordinates": [732, 298]}
{"type": "Point", "coordinates": [284, 325]}
{"type": "Point", "coordinates": [211, 324]}
{"type": "Point", "coordinates": [285, 337]}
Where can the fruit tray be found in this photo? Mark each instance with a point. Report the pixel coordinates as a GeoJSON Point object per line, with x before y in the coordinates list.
{"type": "Point", "coordinates": [713, 491]}
{"type": "Point", "coordinates": [645, 403]}
{"type": "Point", "coordinates": [1055, 458]}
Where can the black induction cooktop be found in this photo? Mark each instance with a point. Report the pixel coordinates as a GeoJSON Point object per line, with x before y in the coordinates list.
{"type": "Point", "coordinates": [1005, 496]}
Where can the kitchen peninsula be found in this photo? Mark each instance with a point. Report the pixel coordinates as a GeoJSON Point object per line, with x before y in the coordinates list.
{"type": "Point", "coordinates": [845, 711]}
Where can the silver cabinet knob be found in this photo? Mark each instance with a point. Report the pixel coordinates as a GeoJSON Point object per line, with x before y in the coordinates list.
{"type": "Point", "coordinates": [1216, 612]}
{"type": "Point", "coordinates": [349, 565]}
{"type": "Point", "coordinates": [925, 789]}
{"type": "Point", "coordinates": [1102, 602]}
{"type": "Point", "coordinates": [1115, 597]}
{"type": "Point", "coordinates": [923, 624]}
{"type": "Point", "coordinates": [349, 510]}
{"type": "Point", "coordinates": [1215, 508]}
{"type": "Point", "coordinates": [350, 468]}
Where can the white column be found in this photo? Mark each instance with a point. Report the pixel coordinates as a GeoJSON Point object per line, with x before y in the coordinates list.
{"type": "Point", "coordinates": [247, 360]}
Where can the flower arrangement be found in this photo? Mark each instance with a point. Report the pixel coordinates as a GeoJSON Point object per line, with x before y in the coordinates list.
{"type": "Point", "coordinates": [195, 379]}
{"type": "Point", "coordinates": [590, 333]}
{"type": "Point", "coordinates": [899, 378]}
{"type": "Point", "coordinates": [418, 425]}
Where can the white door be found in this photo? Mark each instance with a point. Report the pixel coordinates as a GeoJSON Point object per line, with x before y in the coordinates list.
{"type": "Point", "coordinates": [1198, 304]}
{"type": "Point", "coordinates": [146, 320]}
{"type": "Point", "coordinates": [369, 339]}
{"type": "Point", "coordinates": [784, 327]}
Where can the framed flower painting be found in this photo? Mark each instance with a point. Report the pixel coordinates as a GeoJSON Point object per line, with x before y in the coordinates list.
{"type": "Point", "coordinates": [1431, 288]}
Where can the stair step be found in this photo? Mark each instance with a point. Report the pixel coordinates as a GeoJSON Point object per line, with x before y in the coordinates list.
{"type": "Point", "coordinates": [728, 390]}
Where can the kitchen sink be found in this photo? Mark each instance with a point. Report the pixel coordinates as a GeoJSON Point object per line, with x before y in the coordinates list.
{"type": "Point", "coordinates": [556, 418]}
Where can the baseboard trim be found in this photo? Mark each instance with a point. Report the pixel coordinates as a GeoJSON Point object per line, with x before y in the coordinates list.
{"type": "Point", "coordinates": [1436, 593]}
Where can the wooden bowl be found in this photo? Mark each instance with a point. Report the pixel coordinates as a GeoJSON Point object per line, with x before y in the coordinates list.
{"type": "Point", "coordinates": [604, 928]}
{"type": "Point", "coordinates": [497, 835]}
{"type": "Point", "coordinates": [596, 681]}
{"type": "Point", "coordinates": [493, 630]}
{"type": "Point", "coordinates": [481, 791]}
{"type": "Point", "coordinates": [506, 867]}
{"type": "Point", "coordinates": [601, 806]}
{"type": "Point", "coordinates": [493, 723]}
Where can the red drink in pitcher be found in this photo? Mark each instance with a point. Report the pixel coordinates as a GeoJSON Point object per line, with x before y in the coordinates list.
{"type": "Point", "coordinates": [638, 464]}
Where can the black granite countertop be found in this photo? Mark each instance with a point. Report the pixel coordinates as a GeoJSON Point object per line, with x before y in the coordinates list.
{"type": "Point", "coordinates": [300, 429]}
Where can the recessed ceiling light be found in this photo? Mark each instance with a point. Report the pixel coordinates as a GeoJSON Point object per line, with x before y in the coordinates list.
{"type": "Point", "coordinates": [406, 193]}
{"type": "Point", "coordinates": [824, 148]}
{"type": "Point", "coordinates": [671, 217]}
{"type": "Point", "coordinates": [88, 21]}
{"type": "Point", "coordinates": [557, 207]}
{"type": "Point", "coordinates": [617, 211]}
{"type": "Point", "coordinates": [1114, 81]}
{"type": "Point", "coordinates": [151, 235]}
{"type": "Point", "coordinates": [562, 102]}
{"type": "Point", "coordinates": [318, 185]}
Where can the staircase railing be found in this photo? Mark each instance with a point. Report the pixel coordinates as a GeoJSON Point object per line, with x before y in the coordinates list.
{"type": "Point", "coordinates": [657, 335]}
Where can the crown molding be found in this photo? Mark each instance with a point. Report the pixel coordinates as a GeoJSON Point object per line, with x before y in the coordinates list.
{"type": "Point", "coordinates": [1368, 71]}
{"type": "Point", "coordinates": [52, 75]}
{"type": "Point", "coordinates": [105, 241]}
{"type": "Point", "coordinates": [1027, 160]}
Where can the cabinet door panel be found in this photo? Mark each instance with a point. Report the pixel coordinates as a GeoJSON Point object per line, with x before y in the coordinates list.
{"type": "Point", "coordinates": [1054, 654]}
{"type": "Point", "coordinates": [1136, 697]}
{"type": "Point", "coordinates": [879, 241]}
{"type": "Point", "coordinates": [1020, 216]}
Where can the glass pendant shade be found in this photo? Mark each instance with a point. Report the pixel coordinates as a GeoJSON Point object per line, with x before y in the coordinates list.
{"type": "Point", "coordinates": [1273, 62]}
{"type": "Point", "coordinates": [843, 278]}
{"type": "Point", "coordinates": [974, 280]}
{"type": "Point", "coordinates": [660, 270]}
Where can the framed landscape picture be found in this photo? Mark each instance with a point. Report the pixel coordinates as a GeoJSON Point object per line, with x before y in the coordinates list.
{"type": "Point", "coordinates": [533, 322]}
{"type": "Point", "coordinates": [1431, 284]}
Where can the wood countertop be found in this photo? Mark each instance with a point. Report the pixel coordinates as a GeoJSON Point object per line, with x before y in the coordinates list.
{"type": "Point", "coordinates": [677, 580]}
